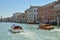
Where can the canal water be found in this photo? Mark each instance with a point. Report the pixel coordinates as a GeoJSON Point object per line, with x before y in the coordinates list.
{"type": "Point", "coordinates": [30, 32]}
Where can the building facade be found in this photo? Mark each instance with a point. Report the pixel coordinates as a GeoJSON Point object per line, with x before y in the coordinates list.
{"type": "Point", "coordinates": [16, 17]}
{"type": "Point", "coordinates": [46, 12]}
{"type": "Point", "coordinates": [32, 14]}
{"type": "Point", "coordinates": [57, 10]}
{"type": "Point", "coordinates": [21, 18]}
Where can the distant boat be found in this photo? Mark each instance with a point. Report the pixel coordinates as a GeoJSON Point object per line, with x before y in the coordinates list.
{"type": "Point", "coordinates": [16, 29]}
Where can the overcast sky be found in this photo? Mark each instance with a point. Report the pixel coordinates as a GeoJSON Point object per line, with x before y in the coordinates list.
{"type": "Point", "coordinates": [8, 7]}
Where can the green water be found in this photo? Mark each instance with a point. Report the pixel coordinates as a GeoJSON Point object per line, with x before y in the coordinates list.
{"type": "Point", "coordinates": [30, 32]}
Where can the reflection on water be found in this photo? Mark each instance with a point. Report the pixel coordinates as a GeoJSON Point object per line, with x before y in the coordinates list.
{"type": "Point", "coordinates": [30, 33]}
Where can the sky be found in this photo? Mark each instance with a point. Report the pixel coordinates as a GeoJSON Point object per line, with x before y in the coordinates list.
{"type": "Point", "coordinates": [8, 7]}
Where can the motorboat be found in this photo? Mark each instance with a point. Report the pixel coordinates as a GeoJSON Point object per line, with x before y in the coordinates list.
{"type": "Point", "coordinates": [46, 26]}
{"type": "Point", "coordinates": [16, 29]}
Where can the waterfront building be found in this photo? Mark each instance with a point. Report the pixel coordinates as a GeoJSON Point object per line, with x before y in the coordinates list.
{"type": "Point", "coordinates": [32, 14]}
{"type": "Point", "coordinates": [21, 18]}
{"type": "Point", "coordinates": [8, 19]}
{"type": "Point", "coordinates": [46, 12]}
{"type": "Point", "coordinates": [16, 16]}
{"type": "Point", "coordinates": [5, 20]}
{"type": "Point", "coordinates": [26, 12]}
{"type": "Point", "coordinates": [57, 10]}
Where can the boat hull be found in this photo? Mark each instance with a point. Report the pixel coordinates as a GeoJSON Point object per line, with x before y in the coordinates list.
{"type": "Point", "coordinates": [46, 26]}
{"type": "Point", "coordinates": [17, 31]}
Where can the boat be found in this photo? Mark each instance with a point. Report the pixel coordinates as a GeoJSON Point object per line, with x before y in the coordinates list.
{"type": "Point", "coordinates": [46, 26]}
{"type": "Point", "coordinates": [16, 29]}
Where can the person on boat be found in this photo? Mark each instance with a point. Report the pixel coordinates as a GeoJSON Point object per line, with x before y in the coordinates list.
{"type": "Point", "coordinates": [13, 26]}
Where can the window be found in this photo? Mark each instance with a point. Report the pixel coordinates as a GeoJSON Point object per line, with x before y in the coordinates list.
{"type": "Point", "coordinates": [35, 11]}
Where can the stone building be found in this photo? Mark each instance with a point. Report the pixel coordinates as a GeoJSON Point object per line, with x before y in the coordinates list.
{"type": "Point", "coordinates": [57, 10]}
{"type": "Point", "coordinates": [21, 18]}
{"type": "Point", "coordinates": [32, 14]}
{"type": "Point", "coordinates": [16, 16]}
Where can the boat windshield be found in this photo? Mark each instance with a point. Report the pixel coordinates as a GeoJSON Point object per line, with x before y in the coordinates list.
{"type": "Point", "coordinates": [13, 26]}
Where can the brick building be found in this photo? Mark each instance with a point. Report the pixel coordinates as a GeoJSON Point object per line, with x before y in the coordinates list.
{"type": "Point", "coordinates": [46, 12]}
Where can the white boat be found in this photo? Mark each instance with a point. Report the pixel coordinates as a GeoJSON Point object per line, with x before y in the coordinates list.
{"type": "Point", "coordinates": [16, 29]}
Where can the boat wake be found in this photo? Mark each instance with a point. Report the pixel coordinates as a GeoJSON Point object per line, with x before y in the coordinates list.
{"type": "Point", "coordinates": [55, 30]}
{"type": "Point", "coordinates": [21, 33]}
{"type": "Point", "coordinates": [28, 34]}
{"type": "Point", "coordinates": [9, 32]}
